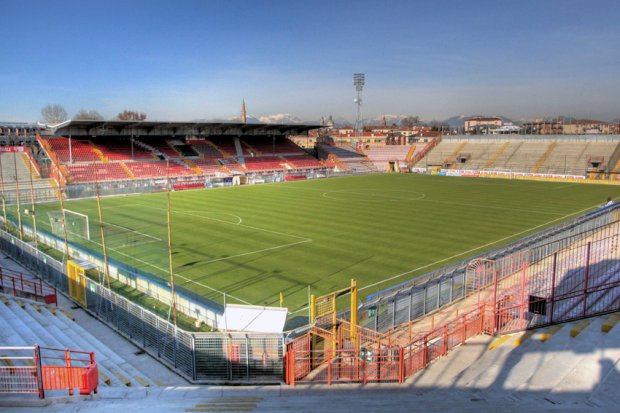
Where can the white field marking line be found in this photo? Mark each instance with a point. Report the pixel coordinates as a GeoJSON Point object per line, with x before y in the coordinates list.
{"type": "Point", "coordinates": [165, 270]}
{"type": "Point", "coordinates": [493, 207]}
{"type": "Point", "coordinates": [386, 197]}
{"type": "Point", "coordinates": [304, 239]}
{"type": "Point", "coordinates": [239, 219]}
{"type": "Point", "coordinates": [474, 249]}
{"type": "Point", "coordinates": [180, 276]}
{"type": "Point", "coordinates": [257, 251]}
{"type": "Point", "coordinates": [155, 239]}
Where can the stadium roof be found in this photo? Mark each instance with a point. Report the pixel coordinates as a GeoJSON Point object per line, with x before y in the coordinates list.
{"type": "Point", "coordinates": [155, 128]}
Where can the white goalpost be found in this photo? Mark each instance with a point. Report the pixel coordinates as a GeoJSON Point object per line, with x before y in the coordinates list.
{"type": "Point", "coordinates": [77, 224]}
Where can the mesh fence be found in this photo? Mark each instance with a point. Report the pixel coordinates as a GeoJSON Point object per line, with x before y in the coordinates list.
{"type": "Point", "coordinates": [424, 294]}
{"type": "Point", "coordinates": [198, 357]}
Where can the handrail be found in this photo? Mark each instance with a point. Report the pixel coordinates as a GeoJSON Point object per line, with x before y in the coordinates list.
{"type": "Point", "coordinates": [30, 374]}
{"type": "Point", "coordinates": [15, 281]}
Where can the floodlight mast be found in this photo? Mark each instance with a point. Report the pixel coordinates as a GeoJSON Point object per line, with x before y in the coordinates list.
{"type": "Point", "coordinates": [359, 79]}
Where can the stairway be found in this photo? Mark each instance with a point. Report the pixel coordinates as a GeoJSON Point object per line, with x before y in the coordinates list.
{"type": "Point", "coordinates": [127, 170]}
{"type": "Point", "coordinates": [24, 323]}
{"type": "Point", "coordinates": [572, 362]}
{"type": "Point", "coordinates": [544, 157]}
{"type": "Point", "coordinates": [450, 159]}
{"type": "Point", "coordinates": [496, 155]}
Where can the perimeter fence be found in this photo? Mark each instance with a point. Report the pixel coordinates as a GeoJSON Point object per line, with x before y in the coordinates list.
{"type": "Point", "coordinates": [422, 295]}
{"type": "Point", "coordinates": [198, 357]}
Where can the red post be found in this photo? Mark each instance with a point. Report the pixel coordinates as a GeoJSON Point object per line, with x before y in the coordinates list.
{"type": "Point", "coordinates": [585, 281]}
{"type": "Point", "coordinates": [445, 339]}
{"type": "Point", "coordinates": [364, 368]}
{"type": "Point", "coordinates": [291, 360]}
{"type": "Point", "coordinates": [523, 303]}
{"type": "Point", "coordinates": [329, 367]}
{"type": "Point", "coordinates": [464, 332]}
{"type": "Point", "coordinates": [13, 285]}
{"type": "Point", "coordinates": [552, 307]}
{"type": "Point", "coordinates": [21, 279]}
{"type": "Point", "coordinates": [68, 365]}
{"type": "Point", "coordinates": [401, 365]}
{"type": "Point", "coordinates": [494, 329]}
{"type": "Point", "coordinates": [425, 355]}
{"type": "Point", "coordinates": [37, 361]}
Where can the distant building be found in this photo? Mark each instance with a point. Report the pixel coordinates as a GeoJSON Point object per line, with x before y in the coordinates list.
{"type": "Point", "coordinates": [585, 127]}
{"type": "Point", "coordinates": [480, 124]}
{"type": "Point", "coordinates": [506, 129]}
{"type": "Point", "coordinates": [544, 127]}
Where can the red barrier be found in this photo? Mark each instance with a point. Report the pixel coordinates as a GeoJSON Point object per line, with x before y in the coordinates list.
{"type": "Point", "coordinates": [182, 186]}
{"type": "Point", "coordinates": [79, 371]}
{"type": "Point", "coordinates": [36, 369]}
{"type": "Point", "coordinates": [20, 286]}
{"type": "Point", "coordinates": [295, 177]}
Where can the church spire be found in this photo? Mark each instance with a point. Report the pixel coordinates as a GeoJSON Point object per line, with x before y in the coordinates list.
{"type": "Point", "coordinates": [243, 114]}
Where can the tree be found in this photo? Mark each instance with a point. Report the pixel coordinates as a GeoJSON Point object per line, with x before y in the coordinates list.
{"type": "Point", "coordinates": [54, 114]}
{"type": "Point", "coordinates": [84, 114]}
{"type": "Point", "coordinates": [131, 115]}
{"type": "Point", "coordinates": [410, 121]}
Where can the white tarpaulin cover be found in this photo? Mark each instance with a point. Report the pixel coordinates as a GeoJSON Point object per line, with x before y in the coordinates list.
{"type": "Point", "coordinates": [258, 319]}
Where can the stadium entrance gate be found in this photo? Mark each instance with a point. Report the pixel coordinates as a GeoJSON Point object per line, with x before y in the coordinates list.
{"type": "Point", "coordinates": [336, 350]}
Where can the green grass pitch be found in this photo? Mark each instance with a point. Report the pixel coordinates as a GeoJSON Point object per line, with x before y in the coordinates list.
{"type": "Point", "coordinates": [252, 242]}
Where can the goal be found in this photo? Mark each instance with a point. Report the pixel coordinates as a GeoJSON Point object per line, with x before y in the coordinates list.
{"type": "Point", "coordinates": [77, 224]}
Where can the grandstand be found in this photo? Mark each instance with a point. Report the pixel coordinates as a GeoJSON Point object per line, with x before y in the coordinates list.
{"type": "Point", "coordinates": [406, 330]}
{"type": "Point", "coordinates": [550, 155]}
{"type": "Point", "coordinates": [87, 157]}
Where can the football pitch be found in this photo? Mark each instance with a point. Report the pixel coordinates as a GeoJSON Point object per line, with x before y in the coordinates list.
{"type": "Point", "coordinates": [253, 242]}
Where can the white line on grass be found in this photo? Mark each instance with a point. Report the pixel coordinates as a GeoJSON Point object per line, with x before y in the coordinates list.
{"type": "Point", "coordinates": [180, 276]}
{"type": "Point", "coordinates": [155, 239]}
{"type": "Point", "coordinates": [257, 251]}
{"type": "Point", "coordinates": [304, 239]}
{"type": "Point", "coordinates": [475, 249]}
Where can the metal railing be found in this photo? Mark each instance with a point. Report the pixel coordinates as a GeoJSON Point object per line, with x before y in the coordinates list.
{"type": "Point", "coordinates": [37, 369]}
{"type": "Point", "coordinates": [198, 357]}
{"type": "Point", "coordinates": [422, 295]}
{"type": "Point", "coordinates": [14, 283]}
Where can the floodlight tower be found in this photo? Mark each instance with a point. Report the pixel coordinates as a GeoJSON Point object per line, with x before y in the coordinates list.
{"type": "Point", "coordinates": [359, 79]}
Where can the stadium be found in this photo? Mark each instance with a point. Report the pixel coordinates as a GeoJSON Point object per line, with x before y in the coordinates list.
{"type": "Point", "coordinates": [228, 254]}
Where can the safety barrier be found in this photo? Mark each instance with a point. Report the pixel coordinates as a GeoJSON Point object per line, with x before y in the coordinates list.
{"type": "Point", "coordinates": [427, 293]}
{"type": "Point", "coordinates": [552, 284]}
{"type": "Point", "coordinates": [39, 369]}
{"type": "Point", "coordinates": [14, 283]}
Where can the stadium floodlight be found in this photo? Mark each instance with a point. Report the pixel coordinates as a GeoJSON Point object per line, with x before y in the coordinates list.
{"type": "Point", "coordinates": [359, 80]}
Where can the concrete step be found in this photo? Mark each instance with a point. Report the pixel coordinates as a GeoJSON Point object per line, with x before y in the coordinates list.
{"type": "Point", "coordinates": [446, 370]}
{"type": "Point", "coordinates": [126, 374]}
{"type": "Point", "coordinates": [129, 375]}
{"type": "Point", "coordinates": [561, 358]}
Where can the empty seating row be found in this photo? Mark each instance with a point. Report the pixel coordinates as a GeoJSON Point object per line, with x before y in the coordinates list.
{"type": "Point", "coordinates": [264, 145]}
{"type": "Point", "coordinates": [122, 150]}
{"type": "Point", "coordinates": [93, 172]}
{"type": "Point", "coordinates": [265, 163]}
{"type": "Point", "coordinates": [303, 162]}
{"type": "Point", "coordinates": [77, 150]}
{"type": "Point", "coordinates": [157, 169]}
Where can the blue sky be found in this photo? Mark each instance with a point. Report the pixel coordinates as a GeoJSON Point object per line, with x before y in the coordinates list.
{"type": "Point", "coordinates": [182, 60]}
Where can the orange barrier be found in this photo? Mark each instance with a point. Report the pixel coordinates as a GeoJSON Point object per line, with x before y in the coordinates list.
{"type": "Point", "coordinates": [47, 369]}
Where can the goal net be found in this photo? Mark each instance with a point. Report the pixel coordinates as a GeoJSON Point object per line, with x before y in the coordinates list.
{"type": "Point", "coordinates": [77, 224]}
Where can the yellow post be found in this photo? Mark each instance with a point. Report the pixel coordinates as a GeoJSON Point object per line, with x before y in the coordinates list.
{"type": "Point", "coordinates": [312, 308]}
{"type": "Point", "coordinates": [353, 310]}
{"type": "Point", "coordinates": [281, 298]}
